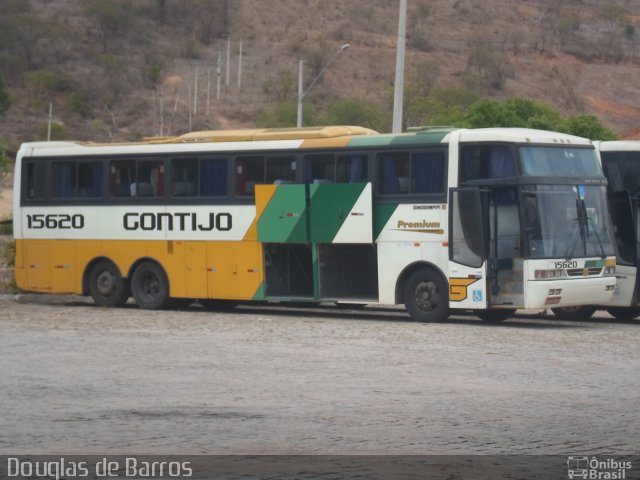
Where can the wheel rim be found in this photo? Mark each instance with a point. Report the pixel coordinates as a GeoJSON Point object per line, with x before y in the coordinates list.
{"type": "Point", "coordinates": [106, 283]}
{"type": "Point", "coordinates": [150, 285]}
{"type": "Point", "coordinates": [427, 296]}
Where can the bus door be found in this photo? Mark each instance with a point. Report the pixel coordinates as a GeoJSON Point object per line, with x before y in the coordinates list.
{"type": "Point", "coordinates": [283, 230]}
{"type": "Point", "coordinates": [624, 214]}
{"type": "Point", "coordinates": [468, 248]}
{"type": "Point", "coordinates": [506, 263]}
{"type": "Point", "coordinates": [341, 229]}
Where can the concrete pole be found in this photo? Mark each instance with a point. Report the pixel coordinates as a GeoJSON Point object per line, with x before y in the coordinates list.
{"type": "Point", "coordinates": [240, 65]}
{"type": "Point", "coordinates": [300, 94]}
{"type": "Point", "coordinates": [195, 92]}
{"type": "Point", "coordinates": [399, 82]}
{"type": "Point", "coordinates": [226, 80]}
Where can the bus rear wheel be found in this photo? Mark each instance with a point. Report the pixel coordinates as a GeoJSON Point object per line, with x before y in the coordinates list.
{"type": "Point", "coordinates": [624, 313]}
{"type": "Point", "coordinates": [426, 296]}
{"type": "Point", "coordinates": [106, 285]}
{"type": "Point", "coordinates": [583, 312]}
{"type": "Point", "coordinates": [149, 286]}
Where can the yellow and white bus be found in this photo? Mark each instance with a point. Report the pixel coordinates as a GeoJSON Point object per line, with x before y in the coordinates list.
{"type": "Point", "coordinates": [489, 220]}
{"type": "Point", "coordinates": [621, 165]}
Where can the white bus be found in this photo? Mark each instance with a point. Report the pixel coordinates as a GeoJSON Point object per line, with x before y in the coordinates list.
{"type": "Point", "coordinates": [489, 220]}
{"type": "Point", "coordinates": [621, 165]}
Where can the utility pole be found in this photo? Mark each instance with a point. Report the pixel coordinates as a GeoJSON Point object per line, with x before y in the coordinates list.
{"type": "Point", "coordinates": [208, 90]}
{"type": "Point", "coordinates": [218, 75]}
{"type": "Point", "coordinates": [50, 120]}
{"type": "Point", "coordinates": [300, 94]}
{"type": "Point", "coordinates": [226, 80]}
{"type": "Point", "coordinates": [240, 65]}
{"type": "Point", "coordinates": [399, 82]}
{"type": "Point", "coordinates": [195, 92]}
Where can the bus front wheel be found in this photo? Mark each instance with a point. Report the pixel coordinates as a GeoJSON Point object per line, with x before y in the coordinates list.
{"type": "Point", "coordinates": [106, 285]}
{"type": "Point", "coordinates": [426, 296]}
{"type": "Point", "coordinates": [149, 286]}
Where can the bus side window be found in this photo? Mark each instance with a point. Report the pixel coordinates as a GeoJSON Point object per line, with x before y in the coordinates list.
{"type": "Point", "coordinates": [35, 180]}
{"type": "Point", "coordinates": [281, 170]}
{"type": "Point", "coordinates": [351, 169]}
{"type": "Point", "coordinates": [64, 180]}
{"type": "Point", "coordinates": [213, 177]}
{"type": "Point", "coordinates": [393, 173]}
{"type": "Point", "coordinates": [184, 174]}
{"type": "Point", "coordinates": [249, 172]}
{"type": "Point", "coordinates": [90, 179]}
{"type": "Point", "coordinates": [427, 172]}
{"type": "Point", "coordinates": [150, 179]}
{"type": "Point", "coordinates": [122, 175]}
{"type": "Point", "coordinates": [319, 169]}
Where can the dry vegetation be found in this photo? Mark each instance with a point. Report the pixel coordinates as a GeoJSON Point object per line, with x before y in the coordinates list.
{"type": "Point", "coordinates": [124, 69]}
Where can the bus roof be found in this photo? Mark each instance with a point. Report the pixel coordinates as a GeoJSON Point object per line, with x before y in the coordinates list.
{"type": "Point", "coordinates": [303, 138]}
{"type": "Point", "coordinates": [619, 146]}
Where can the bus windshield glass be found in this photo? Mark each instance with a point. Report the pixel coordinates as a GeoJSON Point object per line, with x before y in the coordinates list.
{"type": "Point", "coordinates": [566, 221]}
{"type": "Point", "coordinates": [562, 161]}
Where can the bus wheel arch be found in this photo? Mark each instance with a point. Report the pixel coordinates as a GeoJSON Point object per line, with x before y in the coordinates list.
{"type": "Point", "coordinates": [149, 284]}
{"type": "Point", "coordinates": [424, 290]}
{"type": "Point", "coordinates": [103, 280]}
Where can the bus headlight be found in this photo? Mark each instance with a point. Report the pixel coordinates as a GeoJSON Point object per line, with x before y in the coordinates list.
{"type": "Point", "coordinates": [546, 274]}
{"type": "Point", "coordinates": [609, 272]}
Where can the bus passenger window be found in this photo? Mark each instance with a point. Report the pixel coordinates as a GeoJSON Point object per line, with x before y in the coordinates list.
{"type": "Point", "coordinates": [35, 180]}
{"type": "Point", "coordinates": [64, 180]}
{"type": "Point", "coordinates": [184, 173]}
{"type": "Point", "coordinates": [122, 176]}
{"type": "Point", "coordinates": [249, 173]}
{"type": "Point", "coordinates": [213, 177]}
{"type": "Point", "coordinates": [150, 179]}
{"type": "Point", "coordinates": [351, 169]}
{"type": "Point", "coordinates": [393, 173]}
{"type": "Point", "coordinates": [319, 169]}
{"type": "Point", "coordinates": [427, 172]}
{"type": "Point", "coordinates": [90, 180]}
{"type": "Point", "coordinates": [281, 170]}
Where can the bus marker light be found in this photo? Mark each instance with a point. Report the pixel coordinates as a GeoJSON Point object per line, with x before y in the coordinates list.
{"type": "Point", "coordinates": [552, 300]}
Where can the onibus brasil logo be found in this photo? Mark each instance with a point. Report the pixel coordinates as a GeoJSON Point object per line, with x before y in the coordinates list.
{"type": "Point", "coordinates": [597, 469]}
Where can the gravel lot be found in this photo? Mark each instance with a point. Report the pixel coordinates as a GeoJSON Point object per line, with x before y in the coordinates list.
{"type": "Point", "coordinates": [80, 379]}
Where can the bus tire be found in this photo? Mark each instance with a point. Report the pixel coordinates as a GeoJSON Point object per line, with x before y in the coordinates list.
{"type": "Point", "coordinates": [583, 312]}
{"type": "Point", "coordinates": [150, 286]}
{"type": "Point", "coordinates": [426, 296]}
{"type": "Point", "coordinates": [214, 304]}
{"type": "Point", "coordinates": [495, 315]}
{"type": "Point", "coordinates": [106, 285]}
{"type": "Point", "coordinates": [624, 313]}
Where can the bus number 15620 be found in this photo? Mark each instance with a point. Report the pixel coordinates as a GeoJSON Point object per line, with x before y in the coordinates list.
{"type": "Point", "coordinates": [52, 221]}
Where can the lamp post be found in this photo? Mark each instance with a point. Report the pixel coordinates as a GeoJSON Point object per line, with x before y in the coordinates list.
{"type": "Point", "coordinates": [303, 93]}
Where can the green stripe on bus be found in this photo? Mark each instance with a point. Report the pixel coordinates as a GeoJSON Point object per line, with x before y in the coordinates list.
{"type": "Point", "coordinates": [284, 219]}
{"type": "Point", "coordinates": [330, 208]}
{"type": "Point", "coordinates": [381, 214]}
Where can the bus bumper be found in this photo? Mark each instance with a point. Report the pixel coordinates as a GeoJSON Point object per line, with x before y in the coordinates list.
{"type": "Point", "coordinates": [568, 293]}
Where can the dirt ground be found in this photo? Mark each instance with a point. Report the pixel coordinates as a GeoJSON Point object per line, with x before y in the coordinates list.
{"type": "Point", "coordinates": [77, 378]}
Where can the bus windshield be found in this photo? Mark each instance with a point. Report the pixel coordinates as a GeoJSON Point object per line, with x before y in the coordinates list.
{"type": "Point", "coordinates": [566, 221]}
{"type": "Point", "coordinates": [562, 161]}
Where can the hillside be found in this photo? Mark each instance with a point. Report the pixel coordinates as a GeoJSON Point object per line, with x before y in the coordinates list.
{"type": "Point", "coordinates": [123, 70]}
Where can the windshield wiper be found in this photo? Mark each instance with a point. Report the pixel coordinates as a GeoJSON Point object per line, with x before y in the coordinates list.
{"type": "Point", "coordinates": [593, 228]}
{"type": "Point", "coordinates": [580, 230]}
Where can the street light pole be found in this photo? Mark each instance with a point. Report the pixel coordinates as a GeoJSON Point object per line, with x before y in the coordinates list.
{"type": "Point", "coordinates": [303, 93]}
{"type": "Point", "coordinates": [399, 82]}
